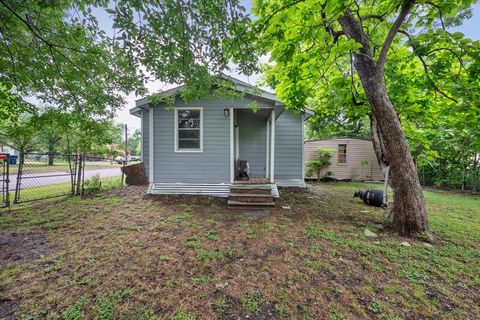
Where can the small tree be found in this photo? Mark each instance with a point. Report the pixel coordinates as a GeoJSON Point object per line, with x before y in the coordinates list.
{"type": "Point", "coordinates": [364, 164]}
{"type": "Point", "coordinates": [323, 162]}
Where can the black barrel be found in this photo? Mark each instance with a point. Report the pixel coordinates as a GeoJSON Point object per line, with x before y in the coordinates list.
{"type": "Point", "coordinates": [370, 197]}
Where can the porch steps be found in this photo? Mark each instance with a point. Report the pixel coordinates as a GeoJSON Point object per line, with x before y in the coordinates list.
{"type": "Point", "coordinates": [244, 196]}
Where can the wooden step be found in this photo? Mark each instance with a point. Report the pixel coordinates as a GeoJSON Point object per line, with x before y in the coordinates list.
{"type": "Point", "coordinates": [235, 203]}
{"type": "Point", "coordinates": [251, 191]}
{"type": "Point", "coordinates": [252, 195]}
{"type": "Point", "coordinates": [251, 199]}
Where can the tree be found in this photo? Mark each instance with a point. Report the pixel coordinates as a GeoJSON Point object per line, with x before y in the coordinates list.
{"type": "Point", "coordinates": [321, 163]}
{"type": "Point", "coordinates": [55, 51]}
{"type": "Point", "coordinates": [20, 133]}
{"type": "Point", "coordinates": [134, 142]}
{"type": "Point", "coordinates": [51, 126]}
{"type": "Point", "coordinates": [343, 47]}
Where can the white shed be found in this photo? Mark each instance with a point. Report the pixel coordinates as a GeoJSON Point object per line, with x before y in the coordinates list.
{"type": "Point", "coordinates": [353, 159]}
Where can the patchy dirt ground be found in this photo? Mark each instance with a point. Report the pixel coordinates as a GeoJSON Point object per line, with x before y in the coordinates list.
{"type": "Point", "coordinates": [22, 248]}
{"type": "Point", "coordinates": [122, 255]}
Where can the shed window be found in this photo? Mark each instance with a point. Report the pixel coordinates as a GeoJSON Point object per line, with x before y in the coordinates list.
{"type": "Point", "coordinates": [342, 153]}
{"type": "Point", "coordinates": [188, 130]}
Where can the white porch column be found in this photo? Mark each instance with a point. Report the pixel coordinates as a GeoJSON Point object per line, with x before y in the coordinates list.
{"type": "Point", "coordinates": [150, 145]}
{"type": "Point", "coordinates": [232, 157]}
{"type": "Point", "coordinates": [267, 157]}
{"type": "Point", "coordinates": [272, 148]}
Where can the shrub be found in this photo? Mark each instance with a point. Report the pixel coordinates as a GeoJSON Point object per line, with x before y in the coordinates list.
{"type": "Point", "coordinates": [92, 185]}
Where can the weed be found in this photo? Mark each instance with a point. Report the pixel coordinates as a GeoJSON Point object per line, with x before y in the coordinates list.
{"type": "Point", "coordinates": [375, 307]}
{"type": "Point", "coordinates": [181, 315]}
{"type": "Point", "coordinates": [229, 252]}
{"type": "Point", "coordinates": [312, 265]}
{"type": "Point", "coordinates": [281, 309]}
{"type": "Point", "coordinates": [315, 232]}
{"type": "Point", "coordinates": [210, 255]}
{"type": "Point", "coordinates": [210, 222]}
{"type": "Point", "coordinates": [107, 305]}
{"type": "Point", "coordinates": [74, 311]}
{"type": "Point", "coordinates": [251, 302]}
{"type": "Point", "coordinates": [220, 304]}
{"type": "Point", "coordinates": [164, 258]}
{"type": "Point", "coordinates": [336, 316]}
{"type": "Point", "coordinates": [265, 228]}
{"type": "Point", "coordinates": [55, 266]}
{"type": "Point", "coordinates": [201, 279]}
{"type": "Point", "coordinates": [211, 235]}
{"type": "Point", "coordinates": [9, 272]}
{"type": "Point", "coordinates": [411, 273]}
{"type": "Point", "coordinates": [136, 243]}
{"type": "Point", "coordinates": [140, 314]}
{"type": "Point", "coordinates": [92, 185]}
{"type": "Point", "coordinates": [193, 243]}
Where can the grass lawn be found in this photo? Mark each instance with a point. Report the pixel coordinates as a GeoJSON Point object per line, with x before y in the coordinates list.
{"type": "Point", "coordinates": [118, 255]}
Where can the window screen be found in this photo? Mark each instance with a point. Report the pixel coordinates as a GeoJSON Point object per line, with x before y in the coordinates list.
{"type": "Point", "coordinates": [189, 129]}
{"type": "Point", "coordinates": [342, 153]}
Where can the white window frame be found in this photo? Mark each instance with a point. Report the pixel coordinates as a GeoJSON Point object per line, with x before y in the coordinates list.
{"type": "Point", "coordinates": [175, 128]}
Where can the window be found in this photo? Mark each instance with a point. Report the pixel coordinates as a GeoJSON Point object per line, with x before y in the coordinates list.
{"type": "Point", "coordinates": [188, 130]}
{"type": "Point", "coordinates": [342, 154]}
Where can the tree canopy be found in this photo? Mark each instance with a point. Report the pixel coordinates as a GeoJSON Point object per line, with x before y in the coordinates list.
{"type": "Point", "coordinates": [55, 51]}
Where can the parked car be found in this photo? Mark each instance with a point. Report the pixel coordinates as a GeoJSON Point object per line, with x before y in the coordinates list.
{"type": "Point", "coordinates": [119, 159]}
{"type": "Point", "coordinates": [135, 158]}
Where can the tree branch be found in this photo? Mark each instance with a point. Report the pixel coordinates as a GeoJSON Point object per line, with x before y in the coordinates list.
{"type": "Point", "coordinates": [425, 67]}
{"type": "Point", "coordinates": [391, 34]}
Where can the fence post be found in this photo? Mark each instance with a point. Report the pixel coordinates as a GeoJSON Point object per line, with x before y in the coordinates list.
{"type": "Point", "coordinates": [19, 178]}
{"type": "Point", "coordinates": [79, 174]}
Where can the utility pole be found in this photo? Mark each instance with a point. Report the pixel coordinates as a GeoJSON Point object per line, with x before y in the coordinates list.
{"type": "Point", "coordinates": [126, 144]}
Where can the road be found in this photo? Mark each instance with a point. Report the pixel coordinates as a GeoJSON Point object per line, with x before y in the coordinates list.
{"type": "Point", "coordinates": [45, 179]}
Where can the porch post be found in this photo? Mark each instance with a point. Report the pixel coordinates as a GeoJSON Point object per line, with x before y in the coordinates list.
{"type": "Point", "coordinates": [267, 157]}
{"type": "Point", "coordinates": [232, 160]}
{"type": "Point", "coordinates": [272, 148]}
{"type": "Point", "coordinates": [150, 145]}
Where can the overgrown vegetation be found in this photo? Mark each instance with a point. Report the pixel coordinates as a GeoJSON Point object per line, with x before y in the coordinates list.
{"type": "Point", "coordinates": [112, 254]}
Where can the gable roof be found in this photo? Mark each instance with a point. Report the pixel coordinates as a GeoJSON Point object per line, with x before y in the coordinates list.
{"type": "Point", "coordinates": [240, 86]}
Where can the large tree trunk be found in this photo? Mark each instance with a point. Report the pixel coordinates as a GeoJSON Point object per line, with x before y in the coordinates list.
{"type": "Point", "coordinates": [408, 213]}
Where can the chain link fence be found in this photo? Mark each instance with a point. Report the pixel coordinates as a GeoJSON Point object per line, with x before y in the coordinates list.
{"type": "Point", "coordinates": [4, 180]}
{"type": "Point", "coordinates": [38, 176]}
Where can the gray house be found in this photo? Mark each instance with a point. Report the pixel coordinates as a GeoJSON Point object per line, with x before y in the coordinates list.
{"type": "Point", "coordinates": [193, 147]}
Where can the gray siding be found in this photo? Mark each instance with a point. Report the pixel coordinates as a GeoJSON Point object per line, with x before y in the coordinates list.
{"type": "Point", "coordinates": [210, 166]}
{"type": "Point", "coordinates": [288, 146]}
{"type": "Point", "coordinates": [213, 164]}
{"type": "Point", "coordinates": [145, 148]}
{"type": "Point", "coordinates": [253, 141]}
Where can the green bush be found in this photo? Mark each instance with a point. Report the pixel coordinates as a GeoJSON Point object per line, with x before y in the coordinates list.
{"type": "Point", "coordinates": [92, 185]}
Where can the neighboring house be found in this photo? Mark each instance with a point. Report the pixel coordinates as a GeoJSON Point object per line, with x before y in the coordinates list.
{"type": "Point", "coordinates": [353, 159]}
{"type": "Point", "coordinates": [192, 148]}
{"type": "Point", "coordinates": [9, 150]}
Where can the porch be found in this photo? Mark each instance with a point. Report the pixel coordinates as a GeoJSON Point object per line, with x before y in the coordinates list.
{"type": "Point", "coordinates": [253, 133]}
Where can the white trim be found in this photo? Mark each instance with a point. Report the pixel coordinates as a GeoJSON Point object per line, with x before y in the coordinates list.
{"type": "Point", "coordinates": [175, 129]}
{"type": "Point", "coordinates": [272, 149]}
{"type": "Point", "coordinates": [150, 145]}
{"type": "Point", "coordinates": [232, 160]}
{"type": "Point", "coordinates": [141, 135]}
{"type": "Point", "coordinates": [237, 142]}
{"type": "Point", "coordinates": [267, 149]}
{"type": "Point", "coordinates": [303, 148]}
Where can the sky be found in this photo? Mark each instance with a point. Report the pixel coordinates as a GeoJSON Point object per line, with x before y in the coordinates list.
{"type": "Point", "coordinates": [471, 29]}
